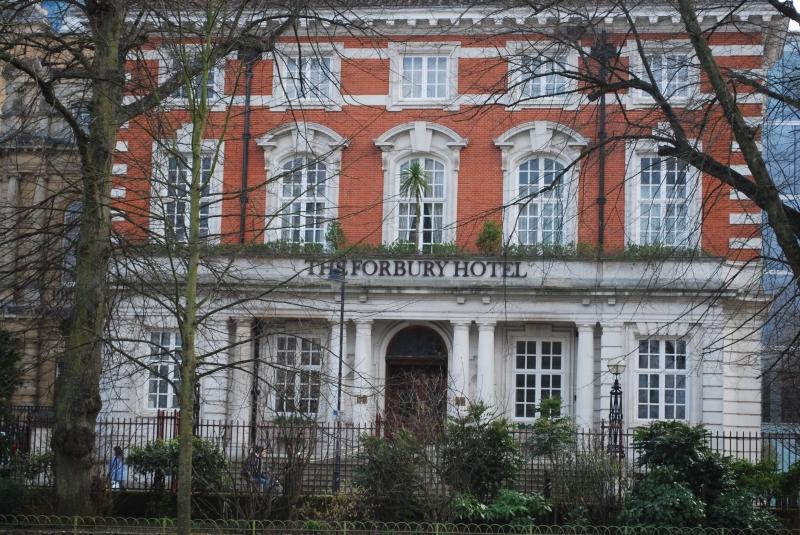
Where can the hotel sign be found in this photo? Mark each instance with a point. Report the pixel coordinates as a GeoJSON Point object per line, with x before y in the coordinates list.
{"type": "Point", "coordinates": [422, 268]}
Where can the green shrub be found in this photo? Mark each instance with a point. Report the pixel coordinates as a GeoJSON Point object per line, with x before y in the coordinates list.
{"type": "Point", "coordinates": [415, 475]}
{"type": "Point", "coordinates": [13, 497]}
{"type": "Point", "coordinates": [158, 460]}
{"type": "Point", "coordinates": [387, 474]}
{"type": "Point", "coordinates": [552, 432]}
{"type": "Point", "coordinates": [335, 238]}
{"type": "Point", "coordinates": [490, 238]}
{"type": "Point", "coordinates": [671, 443]}
{"type": "Point", "coordinates": [727, 489]}
{"type": "Point", "coordinates": [479, 453]}
{"type": "Point", "coordinates": [736, 509]}
{"type": "Point", "coordinates": [660, 500]}
{"type": "Point", "coordinates": [685, 450]}
{"type": "Point", "coordinates": [509, 507]}
{"type": "Point", "coordinates": [762, 478]}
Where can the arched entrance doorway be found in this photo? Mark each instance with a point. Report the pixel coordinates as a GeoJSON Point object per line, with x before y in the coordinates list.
{"type": "Point", "coordinates": [416, 376]}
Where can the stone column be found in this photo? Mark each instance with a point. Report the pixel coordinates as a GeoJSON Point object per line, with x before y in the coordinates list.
{"type": "Point", "coordinates": [485, 391]}
{"type": "Point", "coordinates": [9, 219]}
{"type": "Point", "coordinates": [362, 379]}
{"type": "Point", "coordinates": [333, 369]}
{"type": "Point", "coordinates": [459, 366]}
{"type": "Point", "coordinates": [217, 333]}
{"type": "Point", "coordinates": [240, 383]}
{"type": "Point", "coordinates": [584, 376]}
{"type": "Point", "coordinates": [610, 347]}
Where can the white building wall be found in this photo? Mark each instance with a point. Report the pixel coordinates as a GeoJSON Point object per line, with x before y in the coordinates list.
{"type": "Point", "coordinates": [723, 390]}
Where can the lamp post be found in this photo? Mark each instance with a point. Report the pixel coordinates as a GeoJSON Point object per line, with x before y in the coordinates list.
{"type": "Point", "coordinates": [336, 280]}
{"type": "Point", "coordinates": [616, 367]}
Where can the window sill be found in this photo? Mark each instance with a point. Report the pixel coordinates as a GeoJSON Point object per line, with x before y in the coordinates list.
{"type": "Point", "coordinates": [307, 104]}
{"type": "Point", "coordinates": [561, 102]}
{"type": "Point", "coordinates": [449, 104]}
{"type": "Point", "coordinates": [215, 104]}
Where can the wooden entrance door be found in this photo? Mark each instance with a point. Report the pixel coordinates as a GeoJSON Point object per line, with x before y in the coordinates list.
{"type": "Point", "coordinates": [416, 378]}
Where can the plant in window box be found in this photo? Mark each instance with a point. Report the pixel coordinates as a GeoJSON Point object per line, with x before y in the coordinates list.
{"type": "Point", "coordinates": [335, 238]}
{"type": "Point", "coordinates": [490, 238]}
{"type": "Point", "coordinates": [414, 182]}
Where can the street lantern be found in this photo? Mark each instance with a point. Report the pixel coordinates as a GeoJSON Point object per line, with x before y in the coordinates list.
{"type": "Point", "coordinates": [616, 366]}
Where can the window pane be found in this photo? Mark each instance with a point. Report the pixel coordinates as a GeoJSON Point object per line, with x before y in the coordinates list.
{"type": "Point", "coordinates": [540, 217]}
{"type": "Point", "coordinates": [303, 194]}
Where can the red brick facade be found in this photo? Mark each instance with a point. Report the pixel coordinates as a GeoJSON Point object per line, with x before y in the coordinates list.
{"type": "Point", "coordinates": [480, 179]}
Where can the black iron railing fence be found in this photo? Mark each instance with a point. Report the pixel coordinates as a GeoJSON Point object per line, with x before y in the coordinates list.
{"type": "Point", "coordinates": [309, 448]}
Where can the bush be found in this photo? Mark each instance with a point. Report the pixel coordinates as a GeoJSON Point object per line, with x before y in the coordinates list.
{"type": "Point", "coordinates": [13, 497]}
{"type": "Point", "coordinates": [158, 460]}
{"type": "Point", "coordinates": [416, 475]}
{"type": "Point", "coordinates": [660, 500]}
{"type": "Point", "coordinates": [490, 238]}
{"type": "Point", "coordinates": [335, 238]}
{"type": "Point", "coordinates": [509, 507]}
{"type": "Point", "coordinates": [670, 443]}
{"type": "Point", "coordinates": [350, 505]}
{"type": "Point", "coordinates": [551, 433]}
{"type": "Point", "coordinates": [480, 454]}
{"type": "Point", "coordinates": [762, 478]}
{"type": "Point", "coordinates": [727, 489]}
{"type": "Point", "coordinates": [388, 475]}
{"type": "Point", "coordinates": [736, 509]}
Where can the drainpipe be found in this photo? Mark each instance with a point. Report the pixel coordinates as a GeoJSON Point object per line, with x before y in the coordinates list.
{"type": "Point", "coordinates": [249, 57]}
{"type": "Point", "coordinates": [602, 52]}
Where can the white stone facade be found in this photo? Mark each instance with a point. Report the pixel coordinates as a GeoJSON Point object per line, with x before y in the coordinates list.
{"type": "Point", "coordinates": [691, 311]}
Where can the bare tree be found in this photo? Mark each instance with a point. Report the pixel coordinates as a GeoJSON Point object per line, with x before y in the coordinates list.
{"type": "Point", "coordinates": [90, 50]}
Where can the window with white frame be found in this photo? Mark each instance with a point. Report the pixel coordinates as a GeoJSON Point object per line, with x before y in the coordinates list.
{"type": "Point", "coordinates": [661, 380]}
{"type": "Point", "coordinates": [538, 374]}
{"type": "Point", "coordinates": [432, 204]}
{"type": "Point", "coordinates": [671, 73]}
{"type": "Point", "coordinates": [541, 202]}
{"type": "Point", "coordinates": [664, 201]}
{"type": "Point", "coordinates": [177, 203]}
{"type": "Point", "coordinates": [165, 374]}
{"type": "Point", "coordinates": [541, 76]}
{"type": "Point", "coordinates": [424, 77]}
{"type": "Point", "coordinates": [210, 87]}
{"type": "Point", "coordinates": [298, 367]}
{"type": "Point", "coordinates": [303, 198]}
{"type": "Point", "coordinates": [308, 78]}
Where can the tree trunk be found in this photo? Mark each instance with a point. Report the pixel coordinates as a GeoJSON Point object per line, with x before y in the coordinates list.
{"type": "Point", "coordinates": [199, 112]}
{"type": "Point", "coordinates": [419, 221]}
{"type": "Point", "coordinates": [78, 401]}
{"type": "Point", "coordinates": [768, 192]}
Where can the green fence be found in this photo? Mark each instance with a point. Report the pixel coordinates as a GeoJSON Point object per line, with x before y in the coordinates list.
{"type": "Point", "coordinates": [98, 525]}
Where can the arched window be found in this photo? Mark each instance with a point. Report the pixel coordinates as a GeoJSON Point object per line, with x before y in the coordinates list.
{"type": "Point", "coordinates": [540, 175]}
{"type": "Point", "coordinates": [432, 204]}
{"type": "Point", "coordinates": [303, 201]}
{"type": "Point", "coordinates": [541, 202]}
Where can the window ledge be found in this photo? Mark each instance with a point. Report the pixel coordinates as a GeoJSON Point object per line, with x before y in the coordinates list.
{"type": "Point", "coordinates": [449, 104]}
{"type": "Point", "coordinates": [308, 104]}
